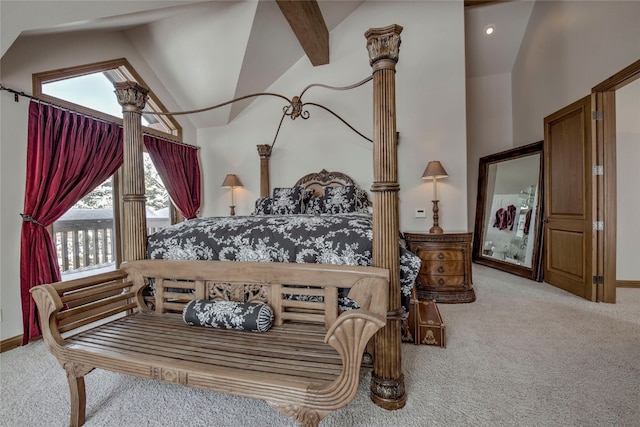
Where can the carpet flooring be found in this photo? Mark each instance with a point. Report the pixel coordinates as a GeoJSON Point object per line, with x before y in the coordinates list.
{"type": "Point", "coordinates": [524, 354]}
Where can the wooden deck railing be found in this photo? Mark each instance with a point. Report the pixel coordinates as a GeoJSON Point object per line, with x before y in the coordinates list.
{"type": "Point", "coordinates": [89, 243]}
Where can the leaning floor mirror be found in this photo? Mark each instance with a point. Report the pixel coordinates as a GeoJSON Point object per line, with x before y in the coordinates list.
{"type": "Point", "coordinates": [508, 227]}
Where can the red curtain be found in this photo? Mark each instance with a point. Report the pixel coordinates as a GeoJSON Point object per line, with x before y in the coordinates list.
{"type": "Point", "coordinates": [68, 155]}
{"type": "Point", "coordinates": [179, 169]}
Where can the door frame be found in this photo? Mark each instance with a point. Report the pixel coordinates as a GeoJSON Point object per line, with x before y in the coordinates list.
{"type": "Point", "coordinates": [604, 131]}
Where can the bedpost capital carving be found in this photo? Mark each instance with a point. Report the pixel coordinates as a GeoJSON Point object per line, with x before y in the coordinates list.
{"type": "Point", "coordinates": [264, 150]}
{"type": "Point", "coordinates": [131, 95]}
{"type": "Point", "coordinates": [383, 45]}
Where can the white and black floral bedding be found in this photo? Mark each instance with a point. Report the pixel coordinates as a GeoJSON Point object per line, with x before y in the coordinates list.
{"type": "Point", "coordinates": [325, 239]}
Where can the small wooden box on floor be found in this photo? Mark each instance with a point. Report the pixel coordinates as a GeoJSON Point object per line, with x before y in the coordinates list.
{"type": "Point", "coordinates": [424, 325]}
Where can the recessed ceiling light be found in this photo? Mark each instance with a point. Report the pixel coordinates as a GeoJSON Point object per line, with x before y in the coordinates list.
{"type": "Point", "coordinates": [489, 29]}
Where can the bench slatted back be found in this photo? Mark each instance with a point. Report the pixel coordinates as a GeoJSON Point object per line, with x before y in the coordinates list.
{"type": "Point", "coordinates": [95, 298]}
{"type": "Point", "coordinates": [178, 282]}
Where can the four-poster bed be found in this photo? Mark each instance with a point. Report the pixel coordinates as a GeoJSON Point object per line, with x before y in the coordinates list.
{"type": "Point", "coordinates": [387, 384]}
{"type": "Point", "coordinates": [383, 44]}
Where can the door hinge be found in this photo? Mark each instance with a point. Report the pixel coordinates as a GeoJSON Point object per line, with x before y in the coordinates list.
{"type": "Point", "coordinates": [598, 170]}
{"type": "Point", "coordinates": [598, 225]}
{"type": "Point", "coordinates": [598, 280]}
{"type": "Point", "coordinates": [597, 115]}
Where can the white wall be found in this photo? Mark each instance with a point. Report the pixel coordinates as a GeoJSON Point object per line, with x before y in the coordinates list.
{"type": "Point", "coordinates": [568, 48]}
{"type": "Point", "coordinates": [13, 158]}
{"type": "Point", "coordinates": [430, 96]}
{"type": "Point", "coordinates": [489, 129]}
{"type": "Point", "coordinates": [628, 178]}
{"type": "Point", "coordinates": [25, 57]}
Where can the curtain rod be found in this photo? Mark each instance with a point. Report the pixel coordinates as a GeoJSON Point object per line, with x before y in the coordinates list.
{"type": "Point", "coordinates": [17, 94]}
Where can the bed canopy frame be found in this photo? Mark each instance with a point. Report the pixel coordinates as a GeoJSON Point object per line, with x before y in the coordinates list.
{"type": "Point", "coordinates": [387, 380]}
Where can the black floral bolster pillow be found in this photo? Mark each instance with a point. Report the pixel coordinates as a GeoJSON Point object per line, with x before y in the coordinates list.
{"type": "Point", "coordinates": [246, 316]}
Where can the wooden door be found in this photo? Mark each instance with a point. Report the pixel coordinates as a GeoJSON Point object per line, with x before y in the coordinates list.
{"type": "Point", "coordinates": [568, 230]}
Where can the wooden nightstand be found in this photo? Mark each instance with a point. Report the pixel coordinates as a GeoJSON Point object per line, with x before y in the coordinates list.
{"type": "Point", "coordinates": [445, 275]}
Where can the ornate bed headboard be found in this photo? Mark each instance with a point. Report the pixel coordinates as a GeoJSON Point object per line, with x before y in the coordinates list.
{"type": "Point", "coordinates": [319, 180]}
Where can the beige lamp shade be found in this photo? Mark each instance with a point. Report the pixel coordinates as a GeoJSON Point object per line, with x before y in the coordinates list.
{"type": "Point", "coordinates": [230, 181]}
{"type": "Point", "coordinates": [434, 170]}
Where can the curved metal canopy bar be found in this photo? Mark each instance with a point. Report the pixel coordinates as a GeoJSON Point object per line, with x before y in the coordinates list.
{"type": "Point", "coordinates": [338, 117]}
{"type": "Point", "coordinates": [213, 107]}
{"type": "Point", "coordinates": [294, 110]}
{"type": "Point", "coordinates": [353, 86]}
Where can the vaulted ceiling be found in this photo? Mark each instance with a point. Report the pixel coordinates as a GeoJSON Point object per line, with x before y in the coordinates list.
{"type": "Point", "coordinates": [212, 51]}
{"type": "Point", "coordinates": [496, 53]}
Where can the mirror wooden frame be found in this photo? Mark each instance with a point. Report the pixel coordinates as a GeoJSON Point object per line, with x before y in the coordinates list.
{"type": "Point", "coordinates": [535, 272]}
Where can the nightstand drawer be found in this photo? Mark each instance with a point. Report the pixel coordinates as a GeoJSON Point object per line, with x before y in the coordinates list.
{"type": "Point", "coordinates": [442, 267]}
{"type": "Point", "coordinates": [435, 281]}
{"type": "Point", "coordinates": [428, 254]}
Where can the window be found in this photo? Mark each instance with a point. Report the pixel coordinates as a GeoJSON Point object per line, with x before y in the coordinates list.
{"type": "Point", "coordinates": [158, 202]}
{"type": "Point", "coordinates": [89, 89]}
{"type": "Point", "coordinates": [87, 236]}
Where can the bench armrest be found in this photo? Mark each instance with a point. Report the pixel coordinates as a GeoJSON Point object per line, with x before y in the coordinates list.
{"type": "Point", "coordinates": [351, 332]}
{"type": "Point", "coordinates": [48, 303]}
{"type": "Point", "coordinates": [349, 335]}
{"type": "Point", "coordinates": [68, 305]}
{"type": "Point", "coordinates": [353, 329]}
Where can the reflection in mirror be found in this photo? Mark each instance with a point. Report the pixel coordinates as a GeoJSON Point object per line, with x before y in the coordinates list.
{"type": "Point", "coordinates": [507, 234]}
{"type": "Point", "coordinates": [509, 213]}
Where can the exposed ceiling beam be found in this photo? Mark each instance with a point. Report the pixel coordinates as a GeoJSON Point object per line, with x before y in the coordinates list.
{"type": "Point", "coordinates": [307, 23]}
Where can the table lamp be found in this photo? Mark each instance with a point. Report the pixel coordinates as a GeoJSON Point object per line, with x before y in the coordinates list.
{"type": "Point", "coordinates": [231, 181]}
{"type": "Point", "coordinates": [434, 171]}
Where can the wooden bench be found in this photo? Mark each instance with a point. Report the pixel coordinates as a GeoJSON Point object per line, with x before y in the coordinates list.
{"type": "Point", "coordinates": [305, 366]}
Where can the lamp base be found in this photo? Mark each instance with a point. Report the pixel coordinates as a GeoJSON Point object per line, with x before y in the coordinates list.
{"type": "Point", "coordinates": [233, 210]}
{"type": "Point", "coordinates": [436, 229]}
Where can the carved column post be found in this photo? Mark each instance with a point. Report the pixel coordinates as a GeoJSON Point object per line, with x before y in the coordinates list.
{"type": "Point", "coordinates": [264, 150]}
{"type": "Point", "coordinates": [387, 380]}
{"type": "Point", "coordinates": [132, 97]}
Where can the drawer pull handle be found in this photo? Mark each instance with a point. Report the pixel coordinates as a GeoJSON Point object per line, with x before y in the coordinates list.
{"type": "Point", "coordinates": [441, 281]}
{"type": "Point", "coordinates": [440, 255]}
{"type": "Point", "coordinates": [441, 269]}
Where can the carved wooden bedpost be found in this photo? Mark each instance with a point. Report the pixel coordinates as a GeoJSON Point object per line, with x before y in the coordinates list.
{"type": "Point", "coordinates": [264, 150]}
{"type": "Point", "coordinates": [133, 97]}
{"type": "Point", "coordinates": [387, 380]}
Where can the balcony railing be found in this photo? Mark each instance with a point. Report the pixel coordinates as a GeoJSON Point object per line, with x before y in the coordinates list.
{"type": "Point", "coordinates": [85, 238]}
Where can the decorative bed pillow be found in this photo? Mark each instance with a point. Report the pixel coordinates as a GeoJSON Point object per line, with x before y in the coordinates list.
{"type": "Point", "coordinates": [246, 316]}
{"type": "Point", "coordinates": [340, 199]}
{"type": "Point", "coordinates": [307, 195]}
{"type": "Point", "coordinates": [263, 206]}
{"type": "Point", "coordinates": [315, 206]}
{"type": "Point", "coordinates": [362, 200]}
{"type": "Point", "coordinates": [287, 201]}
